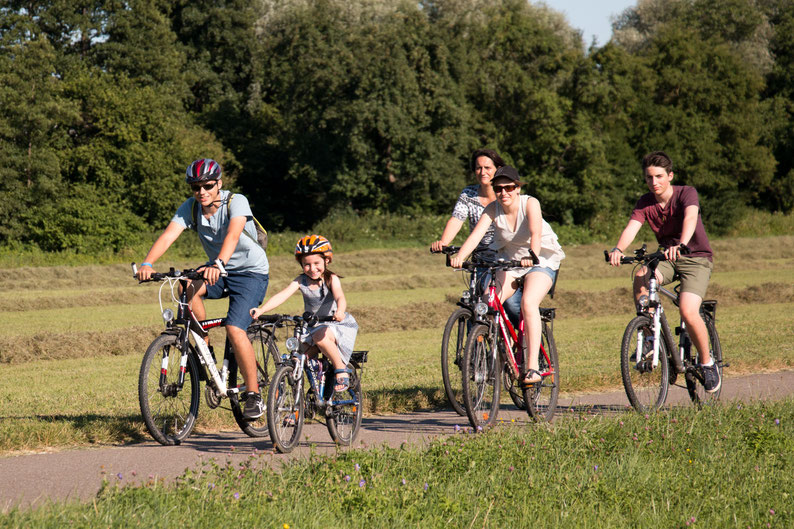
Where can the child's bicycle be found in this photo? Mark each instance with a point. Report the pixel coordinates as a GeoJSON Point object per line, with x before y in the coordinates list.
{"type": "Point", "coordinates": [288, 405]}
{"type": "Point", "coordinates": [493, 345]}
{"type": "Point", "coordinates": [648, 375]}
{"type": "Point", "coordinates": [177, 361]}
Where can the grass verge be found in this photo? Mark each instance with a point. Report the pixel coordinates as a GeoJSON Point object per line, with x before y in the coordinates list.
{"type": "Point", "coordinates": [673, 469]}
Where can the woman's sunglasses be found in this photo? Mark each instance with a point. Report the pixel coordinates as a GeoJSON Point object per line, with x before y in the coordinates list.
{"type": "Point", "coordinates": [508, 188]}
{"type": "Point", "coordinates": [206, 187]}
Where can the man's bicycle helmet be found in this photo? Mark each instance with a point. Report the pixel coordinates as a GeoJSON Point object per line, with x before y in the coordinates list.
{"type": "Point", "coordinates": [314, 244]}
{"type": "Point", "coordinates": [203, 169]}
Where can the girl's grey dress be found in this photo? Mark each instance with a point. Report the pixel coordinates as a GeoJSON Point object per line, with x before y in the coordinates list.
{"type": "Point", "coordinates": [322, 303]}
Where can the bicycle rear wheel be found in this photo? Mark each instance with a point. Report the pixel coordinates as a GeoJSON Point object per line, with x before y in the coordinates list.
{"type": "Point", "coordinates": [541, 398]}
{"type": "Point", "coordinates": [695, 387]}
{"type": "Point", "coordinates": [344, 420]}
{"type": "Point", "coordinates": [285, 409]}
{"type": "Point", "coordinates": [168, 410]}
{"type": "Point", "coordinates": [267, 361]}
{"type": "Point", "coordinates": [481, 377]}
{"type": "Point", "coordinates": [452, 345]}
{"type": "Point", "coordinates": [646, 386]}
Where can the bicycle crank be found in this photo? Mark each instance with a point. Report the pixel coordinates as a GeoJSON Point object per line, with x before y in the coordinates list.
{"type": "Point", "coordinates": [212, 397]}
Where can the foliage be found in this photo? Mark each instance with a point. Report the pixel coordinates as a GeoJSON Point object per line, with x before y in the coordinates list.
{"type": "Point", "coordinates": [315, 107]}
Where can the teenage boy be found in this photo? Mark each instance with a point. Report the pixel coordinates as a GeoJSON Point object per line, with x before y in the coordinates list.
{"type": "Point", "coordinates": [220, 223]}
{"type": "Point", "coordinates": [673, 213]}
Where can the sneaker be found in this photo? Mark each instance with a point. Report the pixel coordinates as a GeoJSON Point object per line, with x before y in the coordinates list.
{"type": "Point", "coordinates": [711, 378]}
{"type": "Point", "coordinates": [254, 407]}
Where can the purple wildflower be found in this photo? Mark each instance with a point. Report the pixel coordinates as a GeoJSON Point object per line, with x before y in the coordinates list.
{"type": "Point", "coordinates": [358, 467]}
{"type": "Point", "coordinates": [236, 495]}
{"type": "Point", "coordinates": [403, 481]}
{"type": "Point", "coordinates": [347, 478]}
{"type": "Point", "coordinates": [426, 486]}
{"type": "Point", "coordinates": [362, 483]}
{"type": "Point", "coordinates": [119, 476]}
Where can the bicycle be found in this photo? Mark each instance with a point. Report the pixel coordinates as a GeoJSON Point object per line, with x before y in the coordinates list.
{"type": "Point", "coordinates": [179, 359]}
{"type": "Point", "coordinates": [493, 345]}
{"type": "Point", "coordinates": [646, 379]}
{"type": "Point", "coordinates": [456, 330]}
{"type": "Point", "coordinates": [288, 405]}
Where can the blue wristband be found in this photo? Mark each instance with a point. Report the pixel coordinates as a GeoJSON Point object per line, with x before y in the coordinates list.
{"type": "Point", "coordinates": [147, 264]}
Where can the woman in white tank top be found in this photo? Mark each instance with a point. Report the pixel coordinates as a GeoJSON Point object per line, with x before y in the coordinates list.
{"type": "Point", "coordinates": [518, 227]}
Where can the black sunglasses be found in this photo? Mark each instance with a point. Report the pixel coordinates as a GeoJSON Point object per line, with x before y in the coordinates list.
{"type": "Point", "coordinates": [206, 187]}
{"type": "Point", "coordinates": [508, 188]}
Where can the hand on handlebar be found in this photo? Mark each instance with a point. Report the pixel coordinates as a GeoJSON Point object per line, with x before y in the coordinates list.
{"type": "Point", "coordinates": [211, 274]}
{"type": "Point", "coordinates": [145, 273]}
{"type": "Point", "coordinates": [456, 261]}
{"type": "Point", "coordinates": [256, 312]}
{"type": "Point", "coordinates": [527, 262]}
{"type": "Point", "coordinates": [339, 316]}
{"type": "Point", "coordinates": [614, 257]}
{"type": "Point", "coordinates": [674, 252]}
{"type": "Point", "coordinates": [437, 246]}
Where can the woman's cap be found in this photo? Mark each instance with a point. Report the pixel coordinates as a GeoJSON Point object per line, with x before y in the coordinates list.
{"type": "Point", "coordinates": [507, 172]}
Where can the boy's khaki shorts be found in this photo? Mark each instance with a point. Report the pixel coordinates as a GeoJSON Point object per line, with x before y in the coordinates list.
{"type": "Point", "coordinates": [694, 272]}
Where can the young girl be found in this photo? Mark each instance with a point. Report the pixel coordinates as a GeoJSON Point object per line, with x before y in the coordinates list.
{"type": "Point", "coordinates": [322, 296]}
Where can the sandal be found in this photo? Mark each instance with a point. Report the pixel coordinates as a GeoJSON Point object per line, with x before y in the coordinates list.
{"type": "Point", "coordinates": [529, 377]}
{"type": "Point", "coordinates": [342, 382]}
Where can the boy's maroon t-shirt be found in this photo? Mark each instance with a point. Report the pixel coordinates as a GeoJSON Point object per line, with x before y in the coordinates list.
{"type": "Point", "coordinates": [667, 223]}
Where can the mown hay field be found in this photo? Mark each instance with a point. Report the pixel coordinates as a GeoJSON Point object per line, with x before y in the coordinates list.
{"type": "Point", "coordinates": [72, 337]}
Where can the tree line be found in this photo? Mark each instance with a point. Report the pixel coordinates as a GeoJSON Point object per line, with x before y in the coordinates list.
{"type": "Point", "coordinates": [321, 106]}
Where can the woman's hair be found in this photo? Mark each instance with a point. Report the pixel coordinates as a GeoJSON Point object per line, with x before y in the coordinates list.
{"type": "Point", "coordinates": [490, 153]}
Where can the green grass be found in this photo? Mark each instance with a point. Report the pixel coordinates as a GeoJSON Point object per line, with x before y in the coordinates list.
{"type": "Point", "coordinates": [80, 332]}
{"type": "Point", "coordinates": [724, 466]}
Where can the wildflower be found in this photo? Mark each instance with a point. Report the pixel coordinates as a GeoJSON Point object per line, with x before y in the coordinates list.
{"type": "Point", "coordinates": [777, 422]}
{"type": "Point", "coordinates": [511, 468]}
{"type": "Point", "coordinates": [358, 467]}
{"type": "Point", "coordinates": [347, 478]}
{"type": "Point", "coordinates": [211, 486]}
{"type": "Point", "coordinates": [479, 428]}
{"type": "Point", "coordinates": [403, 481]}
{"type": "Point", "coordinates": [119, 476]}
{"type": "Point", "coordinates": [362, 484]}
{"type": "Point", "coordinates": [595, 467]}
{"type": "Point", "coordinates": [231, 448]}
{"type": "Point", "coordinates": [134, 473]}
{"type": "Point", "coordinates": [285, 526]}
{"type": "Point", "coordinates": [426, 486]}
{"type": "Point", "coordinates": [236, 495]}
{"type": "Point", "coordinates": [772, 512]}
{"type": "Point", "coordinates": [457, 428]}
{"type": "Point", "coordinates": [690, 521]}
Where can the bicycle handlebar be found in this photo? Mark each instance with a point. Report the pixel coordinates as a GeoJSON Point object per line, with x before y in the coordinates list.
{"type": "Point", "coordinates": [308, 317]}
{"type": "Point", "coordinates": [641, 255]}
{"type": "Point", "coordinates": [189, 273]}
{"type": "Point", "coordinates": [485, 262]}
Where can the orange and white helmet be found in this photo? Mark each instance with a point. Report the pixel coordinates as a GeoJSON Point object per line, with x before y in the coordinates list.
{"type": "Point", "coordinates": [314, 244]}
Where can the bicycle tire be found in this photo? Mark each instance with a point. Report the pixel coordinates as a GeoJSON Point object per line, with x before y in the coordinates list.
{"type": "Point", "coordinates": [481, 377]}
{"type": "Point", "coordinates": [696, 390]}
{"type": "Point", "coordinates": [453, 344]}
{"type": "Point", "coordinates": [344, 420]}
{"type": "Point", "coordinates": [541, 398]}
{"type": "Point", "coordinates": [285, 409]}
{"type": "Point", "coordinates": [646, 386]}
{"type": "Point", "coordinates": [267, 361]}
{"type": "Point", "coordinates": [169, 412]}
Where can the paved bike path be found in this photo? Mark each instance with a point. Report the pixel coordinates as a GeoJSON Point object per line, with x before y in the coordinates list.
{"type": "Point", "coordinates": [77, 475]}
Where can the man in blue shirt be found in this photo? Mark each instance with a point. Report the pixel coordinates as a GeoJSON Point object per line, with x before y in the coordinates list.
{"type": "Point", "coordinates": [227, 232]}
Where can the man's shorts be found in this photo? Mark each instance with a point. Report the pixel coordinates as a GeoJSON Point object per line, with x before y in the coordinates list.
{"type": "Point", "coordinates": [245, 291]}
{"type": "Point", "coordinates": [695, 273]}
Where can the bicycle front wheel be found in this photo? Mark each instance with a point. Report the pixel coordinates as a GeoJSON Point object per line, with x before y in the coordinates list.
{"type": "Point", "coordinates": [696, 390]}
{"type": "Point", "coordinates": [285, 409]}
{"type": "Point", "coordinates": [646, 385]}
{"type": "Point", "coordinates": [481, 377]}
{"type": "Point", "coordinates": [541, 398]}
{"type": "Point", "coordinates": [344, 420]}
{"type": "Point", "coordinates": [168, 408]}
{"type": "Point", "coordinates": [452, 345]}
{"type": "Point", "coordinates": [267, 360]}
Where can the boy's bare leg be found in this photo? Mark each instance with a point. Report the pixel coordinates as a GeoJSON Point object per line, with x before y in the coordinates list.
{"type": "Point", "coordinates": [689, 304]}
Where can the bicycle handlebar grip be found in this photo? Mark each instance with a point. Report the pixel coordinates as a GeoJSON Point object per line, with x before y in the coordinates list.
{"type": "Point", "coordinates": [134, 270]}
{"type": "Point", "coordinates": [535, 260]}
{"type": "Point", "coordinates": [220, 266]}
{"type": "Point", "coordinates": [270, 318]}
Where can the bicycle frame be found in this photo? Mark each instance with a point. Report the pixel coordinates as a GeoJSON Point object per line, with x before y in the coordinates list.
{"type": "Point", "coordinates": [510, 337]}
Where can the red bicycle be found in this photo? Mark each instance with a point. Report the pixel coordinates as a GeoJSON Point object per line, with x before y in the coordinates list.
{"type": "Point", "coordinates": [495, 352]}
